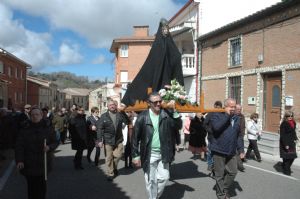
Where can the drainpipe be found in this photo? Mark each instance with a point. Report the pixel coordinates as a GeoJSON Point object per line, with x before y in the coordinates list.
{"type": "Point", "coordinates": [197, 59]}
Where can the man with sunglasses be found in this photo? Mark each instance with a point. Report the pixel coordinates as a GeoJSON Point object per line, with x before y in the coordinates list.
{"type": "Point", "coordinates": [153, 143]}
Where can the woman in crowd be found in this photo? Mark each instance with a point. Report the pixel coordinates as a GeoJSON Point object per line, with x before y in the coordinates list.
{"type": "Point", "coordinates": [92, 135]}
{"type": "Point", "coordinates": [197, 143]}
{"type": "Point", "coordinates": [253, 133]}
{"type": "Point", "coordinates": [78, 131]}
{"type": "Point", "coordinates": [288, 139]}
{"type": "Point", "coordinates": [186, 129]}
{"type": "Point", "coordinates": [36, 138]}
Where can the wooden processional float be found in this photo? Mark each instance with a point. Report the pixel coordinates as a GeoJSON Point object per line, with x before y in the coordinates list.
{"type": "Point", "coordinates": [186, 108]}
{"type": "Point", "coordinates": [162, 65]}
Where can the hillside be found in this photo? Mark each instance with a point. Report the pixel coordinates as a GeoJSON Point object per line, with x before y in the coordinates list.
{"type": "Point", "coordinates": [68, 80]}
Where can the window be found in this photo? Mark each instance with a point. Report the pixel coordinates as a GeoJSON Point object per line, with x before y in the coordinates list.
{"type": "Point", "coordinates": [16, 73]}
{"type": "Point", "coordinates": [1, 67]}
{"type": "Point", "coordinates": [16, 96]}
{"type": "Point", "coordinates": [9, 71]}
{"type": "Point", "coordinates": [124, 51]}
{"type": "Point", "coordinates": [235, 88]}
{"type": "Point", "coordinates": [235, 52]}
{"type": "Point", "coordinates": [276, 96]}
{"type": "Point", "coordinates": [21, 74]}
{"type": "Point", "coordinates": [21, 97]}
{"type": "Point", "coordinates": [124, 76]}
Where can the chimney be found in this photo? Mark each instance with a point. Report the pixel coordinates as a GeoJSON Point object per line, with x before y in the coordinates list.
{"type": "Point", "coordinates": [141, 31]}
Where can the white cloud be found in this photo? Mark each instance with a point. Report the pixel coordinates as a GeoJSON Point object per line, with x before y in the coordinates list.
{"type": "Point", "coordinates": [217, 13]}
{"type": "Point", "coordinates": [99, 21]}
{"type": "Point", "coordinates": [99, 60]}
{"type": "Point", "coordinates": [69, 54]}
{"type": "Point", "coordinates": [29, 46]}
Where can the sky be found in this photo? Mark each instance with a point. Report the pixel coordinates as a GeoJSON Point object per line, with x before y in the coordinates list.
{"type": "Point", "coordinates": [75, 36]}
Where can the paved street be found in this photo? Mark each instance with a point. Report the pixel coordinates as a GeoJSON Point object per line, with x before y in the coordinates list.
{"type": "Point", "coordinates": [189, 180]}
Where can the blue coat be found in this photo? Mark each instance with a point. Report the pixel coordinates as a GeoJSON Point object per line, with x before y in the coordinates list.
{"type": "Point", "coordinates": [226, 139]}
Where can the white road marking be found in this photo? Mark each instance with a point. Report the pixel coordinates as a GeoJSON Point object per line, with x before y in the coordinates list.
{"type": "Point", "coordinates": [6, 174]}
{"type": "Point", "coordinates": [275, 173]}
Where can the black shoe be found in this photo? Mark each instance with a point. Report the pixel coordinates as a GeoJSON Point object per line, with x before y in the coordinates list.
{"type": "Point", "coordinates": [287, 173]}
{"type": "Point", "coordinates": [241, 169]}
{"type": "Point", "coordinates": [258, 160]}
{"type": "Point", "coordinates": [116, 173]}
{"type": "Point", "coordinates": [210, 168]}
{"type": "Point", "coordinates": [79, 167]}
{"type": "Point", "coordinates": [110, 178]}
{"type": "Point", "coordinates": [89, 159]}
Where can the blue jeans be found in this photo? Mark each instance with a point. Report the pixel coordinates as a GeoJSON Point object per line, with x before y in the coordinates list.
{"type": "Point", "coordinates": [210, 160]}
{"type": "Point", "coordinates": [57, 135]}
{"type": "Point", "coordinates": [157, 176]}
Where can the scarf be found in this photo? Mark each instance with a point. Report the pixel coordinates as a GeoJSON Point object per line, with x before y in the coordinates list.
{"type": "Point", "coordinates": [291, 123]}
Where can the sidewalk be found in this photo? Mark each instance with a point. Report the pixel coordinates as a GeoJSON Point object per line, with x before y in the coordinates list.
{"type": "Point", "coordinates": [277, 158]}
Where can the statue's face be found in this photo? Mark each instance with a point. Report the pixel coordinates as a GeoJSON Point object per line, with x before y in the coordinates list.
{"type": "Point", "coordinates": [165, 30]}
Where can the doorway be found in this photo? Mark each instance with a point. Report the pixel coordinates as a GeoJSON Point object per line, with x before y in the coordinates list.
{"type": "Point", "coordinates": [272, 102]}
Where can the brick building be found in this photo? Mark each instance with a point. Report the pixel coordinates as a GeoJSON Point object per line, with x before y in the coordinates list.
{"type": "Point", "coordinates": [130, 54]}
{"type": "Point", "coordinates": [13, 92]}
{"type": "Point", "coordinates": [41, 92]}
{"type": "Point", "coordinates": [256, 60]}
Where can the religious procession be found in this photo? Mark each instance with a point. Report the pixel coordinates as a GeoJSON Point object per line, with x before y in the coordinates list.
{"type": "Point", "coordinates": [159, 142]}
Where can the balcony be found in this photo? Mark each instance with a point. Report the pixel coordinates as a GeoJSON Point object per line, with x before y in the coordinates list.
{"type": "Point", "coordinates": [188, 64]}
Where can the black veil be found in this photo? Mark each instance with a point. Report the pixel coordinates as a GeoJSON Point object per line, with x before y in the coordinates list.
{"type": "Point", "coordinates": [161, 66]}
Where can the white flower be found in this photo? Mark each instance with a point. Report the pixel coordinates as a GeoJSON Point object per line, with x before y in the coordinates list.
{"type": "Point", "coordinates": [162, 92]}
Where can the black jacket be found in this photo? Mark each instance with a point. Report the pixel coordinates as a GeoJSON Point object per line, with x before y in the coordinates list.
{"type": "Point", "coordinates": [91, 135]}
{"type": "Point", "coordinates": [143, 132]}
{"type": "Point", "coordinates": [107, 133]}
{"type": "Point", "coordinates": [30, 147]}
{"type": "Point", "coordinates": [287, 138]}
{"type": "Point", "coordinates": [78, 129]}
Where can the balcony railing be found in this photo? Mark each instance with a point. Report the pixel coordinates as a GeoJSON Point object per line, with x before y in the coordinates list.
{"type": "Point", "coordinates": [188, 64]}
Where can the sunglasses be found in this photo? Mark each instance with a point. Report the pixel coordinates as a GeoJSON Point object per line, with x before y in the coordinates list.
{"type": "Point", "coordinates": [289, 116]}
{"type": "Point", "coordinates": [156, 102]}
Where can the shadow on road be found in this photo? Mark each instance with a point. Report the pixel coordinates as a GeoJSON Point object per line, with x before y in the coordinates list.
{"type": "Point", "coordinates": [232, 190]}
{"type": "Point", "coordinates": [179, 171]}
{"type": "Point", "coordinates": [185, 170]}
{"type": "Point", "coordinates": [66, 182]}
{"type": "Point", "coordinates": [176, 190]}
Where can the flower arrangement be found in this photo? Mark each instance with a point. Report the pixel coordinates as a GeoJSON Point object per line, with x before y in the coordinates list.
{"type": "Point", "coordinates": [174, 92]}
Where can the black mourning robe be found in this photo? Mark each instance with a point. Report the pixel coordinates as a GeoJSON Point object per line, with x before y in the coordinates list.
{"type": "Point", "coordinates": [162, 65]}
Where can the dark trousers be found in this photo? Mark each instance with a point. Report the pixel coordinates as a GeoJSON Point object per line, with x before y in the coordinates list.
{"type": "Point", "coordinates": [225, 171]}
{"type": "Point", "coordinates": [78, 158]}
{"type": "Point", "coordinates": [286, 165]}
{"type": "Point", "coordinates": [97, 154]}
{"type": "Point", "coordinates": [36, 187]}
{"type": "Point", "coordinates": [127, 156]}
{"type": "Point", "coordinates": [63, 136]}
{"type": "Point", "coordinates": [253, 146]}
{"type": "Point", "coordinates": [239, 162]}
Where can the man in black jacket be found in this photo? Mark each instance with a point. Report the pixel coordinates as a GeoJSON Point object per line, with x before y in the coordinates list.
{"type": "Point", "coordinates": [109, 134]}
{"type": "Point", "coordinates": [153, 143]}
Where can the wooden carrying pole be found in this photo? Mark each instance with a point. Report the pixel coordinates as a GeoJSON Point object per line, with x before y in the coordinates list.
{"type": "Point", "coordinates": [187, 108]}
{"type": "Point", "coordinates": [45, 159]}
